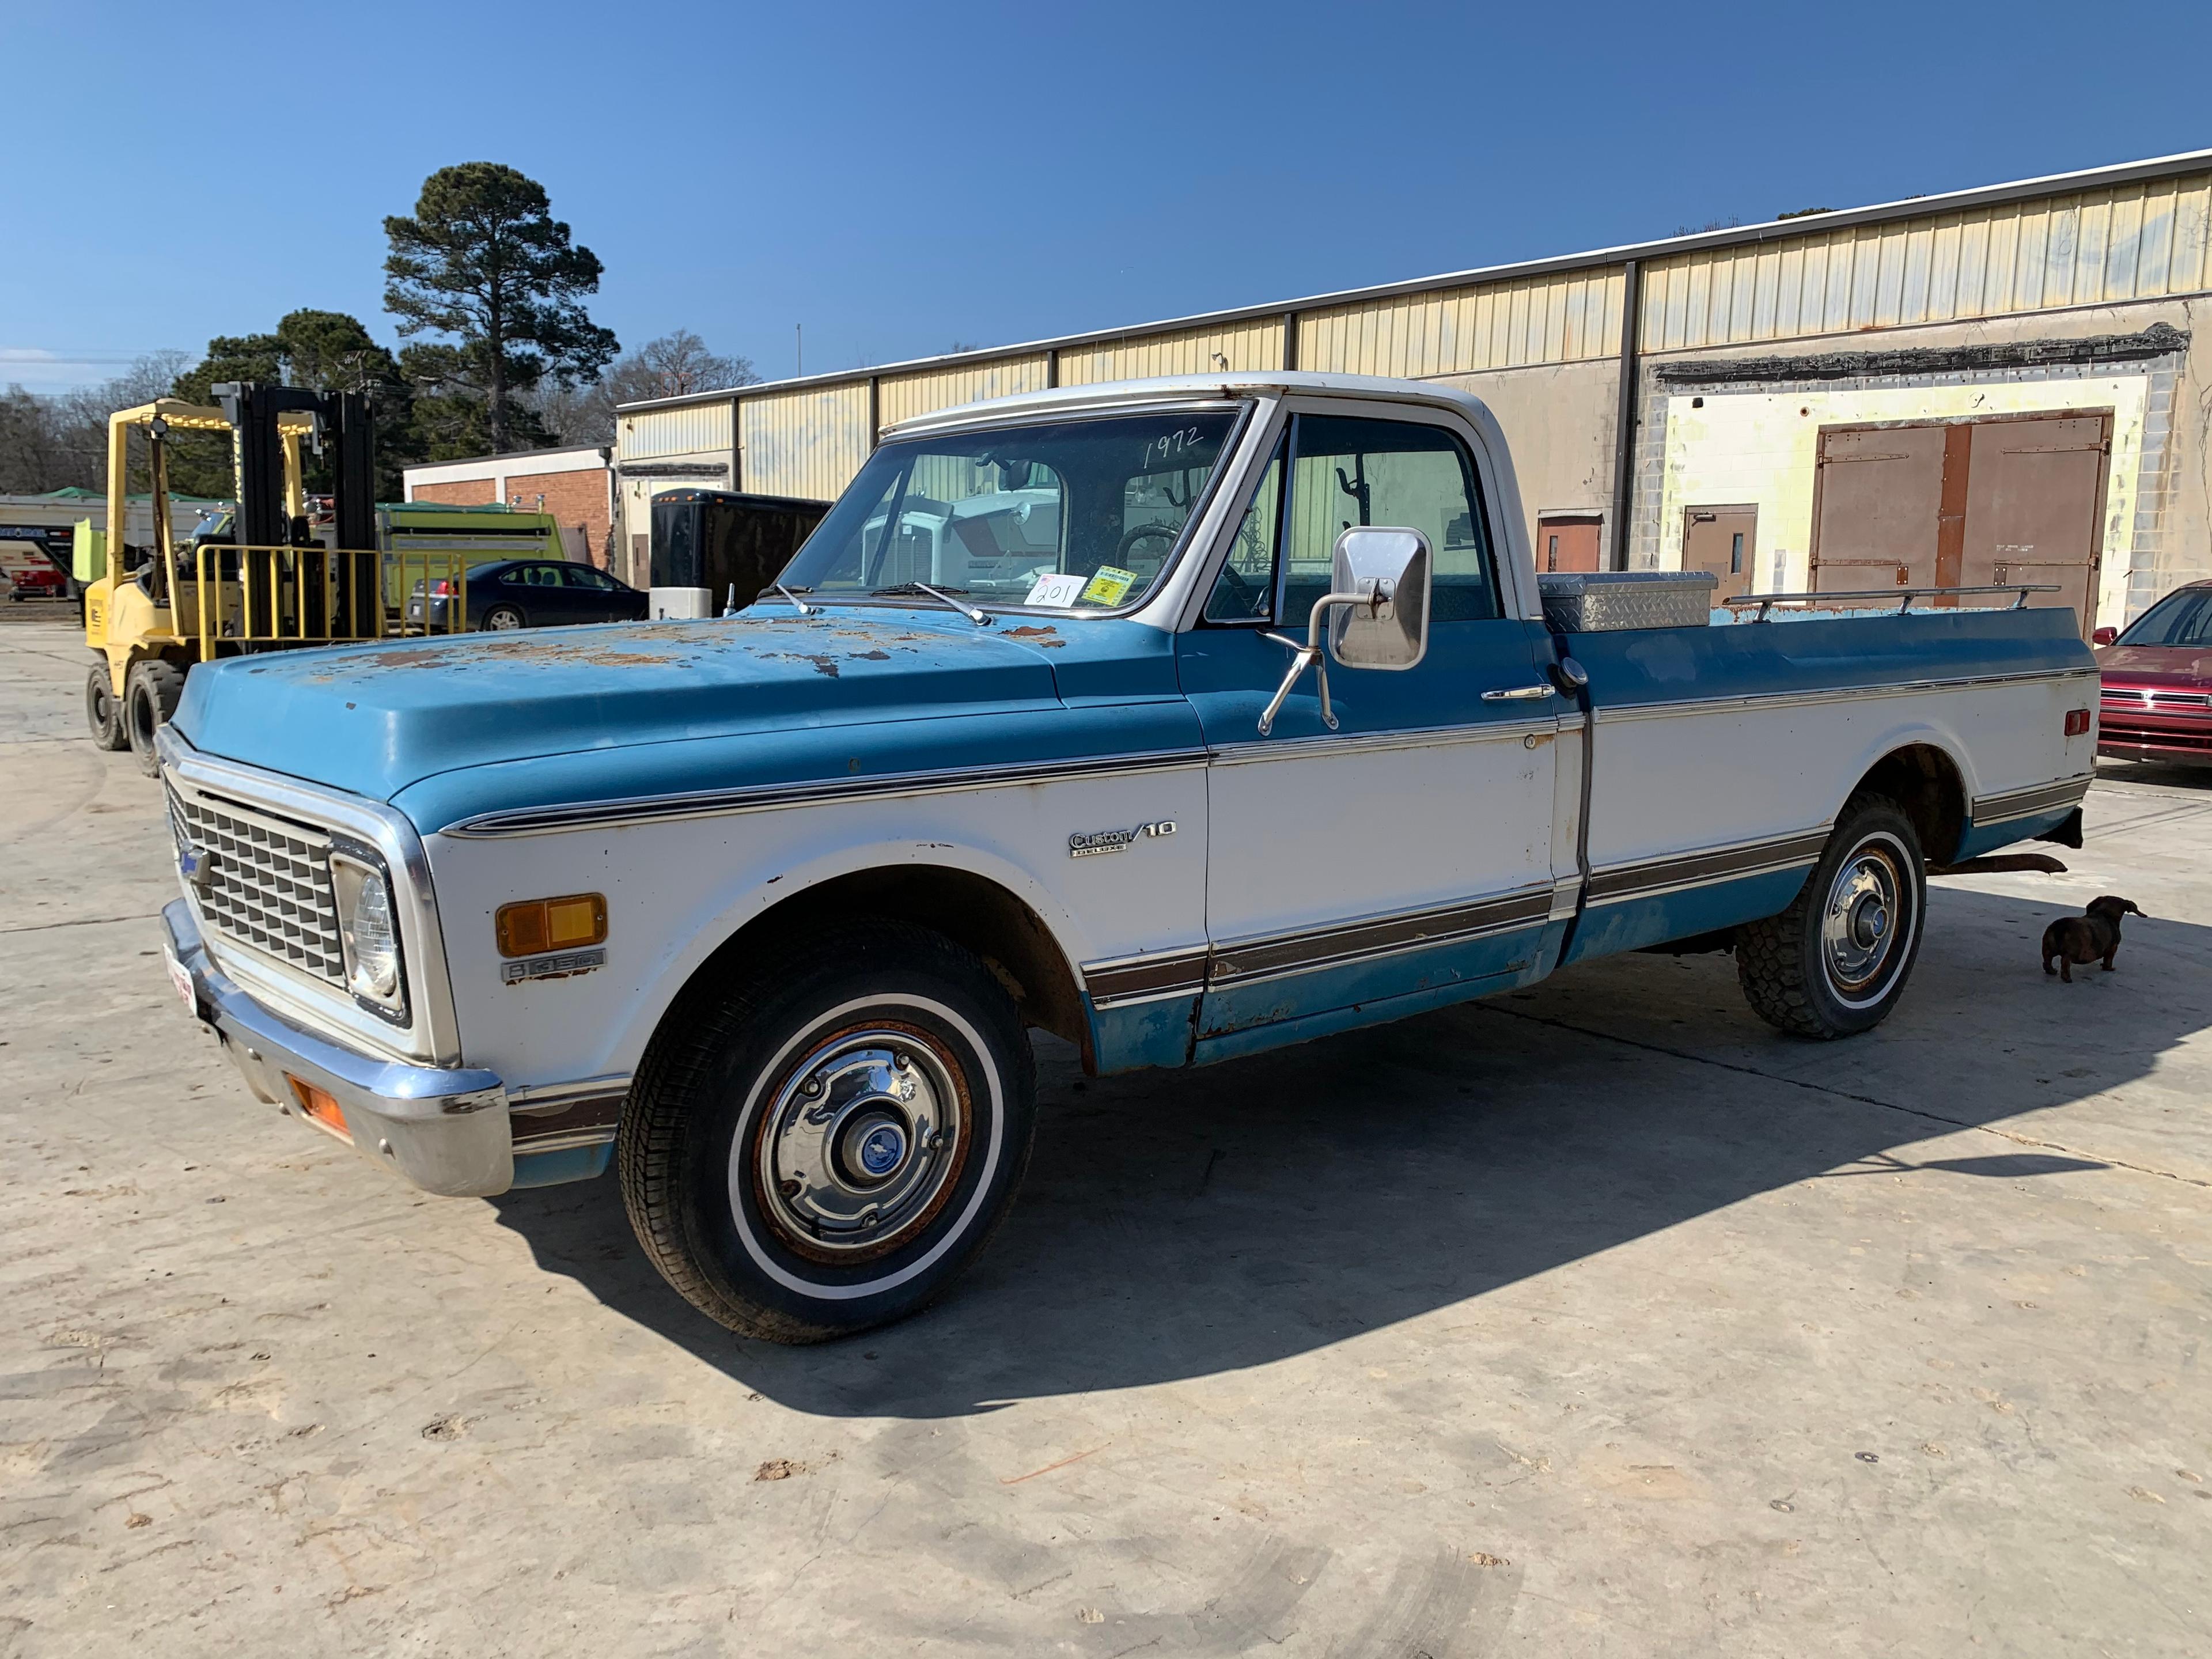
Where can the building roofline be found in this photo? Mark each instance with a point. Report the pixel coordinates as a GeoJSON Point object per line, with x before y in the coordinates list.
{"type": "Point", "coordinates": [606, 451]}
{"type": "Point", "coordinates": [1912, 207]}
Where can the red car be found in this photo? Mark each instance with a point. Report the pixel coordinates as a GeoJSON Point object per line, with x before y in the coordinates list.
{"type": "Point", "coordinates": [40, 583]}
{"type": "Point", "coordinates": [2158, 682]}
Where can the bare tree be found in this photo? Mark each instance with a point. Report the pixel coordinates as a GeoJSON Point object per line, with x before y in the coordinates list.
{"type": "Point", "coordinates": [59, 440]}
{"type": "Point", "coordinates": [676, 365]}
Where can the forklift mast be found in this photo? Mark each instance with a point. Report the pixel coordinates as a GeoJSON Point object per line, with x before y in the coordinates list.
{"type": "Point", "coordinates": [333, 589]}
{"type": "Point", "coordinates": [264, 504]}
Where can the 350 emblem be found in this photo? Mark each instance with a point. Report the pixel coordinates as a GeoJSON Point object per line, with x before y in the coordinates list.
{"type": "Point", "coordinates": [1089, 843]}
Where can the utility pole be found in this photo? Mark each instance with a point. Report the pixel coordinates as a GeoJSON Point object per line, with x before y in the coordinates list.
{"type": "Point", "coordinates": [799, 329]}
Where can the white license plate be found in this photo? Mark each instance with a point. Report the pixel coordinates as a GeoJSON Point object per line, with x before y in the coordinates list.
{"type": "Point", "coordinates": [182, 981]}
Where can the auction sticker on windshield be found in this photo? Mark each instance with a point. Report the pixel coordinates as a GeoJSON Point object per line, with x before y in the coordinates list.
{"type": "Point", "coordinates": [1055, 589]}
{"type": "Point", "coordinates": [1109, 585]}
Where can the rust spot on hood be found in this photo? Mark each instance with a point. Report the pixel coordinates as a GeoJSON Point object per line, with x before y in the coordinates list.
{"type": "Point", "coordinates": [1046, 637]}
{"type": "Point", "coordinates": [587, 652]}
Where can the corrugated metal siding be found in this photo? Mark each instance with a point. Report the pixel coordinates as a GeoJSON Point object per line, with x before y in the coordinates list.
{"type": "Point", "coordinates": [1563, 318]}
{"type": "Point", "coordinates": [682, 431]}
{"type": "Point", "coordinates": [1254, 345]}
{"type": "Point", "coordinates": [2136, 242]}
{"type": "Point", "coordinates": [805, 443]}
{"type": "Point", "coordinates": [902, 397]}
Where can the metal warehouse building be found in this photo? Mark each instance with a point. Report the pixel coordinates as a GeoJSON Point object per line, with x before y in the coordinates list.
{"type": "Point", "coordinates": [2007, 384]}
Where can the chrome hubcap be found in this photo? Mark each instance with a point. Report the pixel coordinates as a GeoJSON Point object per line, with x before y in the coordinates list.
{"type": "Point", "coordinates": [860, 1145]}
{"type": "Point", "coordinates": [1864, 917]}
{"type": "Point", "coordinates": [505, 619]}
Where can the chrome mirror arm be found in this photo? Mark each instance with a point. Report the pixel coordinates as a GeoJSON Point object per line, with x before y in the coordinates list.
{"type": "Point", "coordinates": [1301, 658]}
{"type": "Point", "coordinates": [1312, 654]}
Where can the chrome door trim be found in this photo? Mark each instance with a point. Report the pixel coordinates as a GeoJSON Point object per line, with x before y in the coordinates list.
{"type": "Point", "coordinates": [1260, 958]}
{"type": "Point", "coordinates": [1436, 737]}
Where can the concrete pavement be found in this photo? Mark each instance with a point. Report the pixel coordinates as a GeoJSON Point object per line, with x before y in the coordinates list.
{"type": "Point", "coordinates": [1597, 1320]}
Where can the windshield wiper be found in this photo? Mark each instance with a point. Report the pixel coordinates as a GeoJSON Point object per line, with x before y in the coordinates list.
{"type": "Point", "coordinates": [982, 619]}
{"type": "Point", "coordinates": [805, 609]}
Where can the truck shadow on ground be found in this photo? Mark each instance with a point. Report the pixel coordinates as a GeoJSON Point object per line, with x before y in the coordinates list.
{"type": "Point", "coordinates": [1176, 1224]}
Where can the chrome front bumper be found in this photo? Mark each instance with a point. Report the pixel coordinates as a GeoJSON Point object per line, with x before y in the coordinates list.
{"type": "Point", "coordinates": [444, 1128]}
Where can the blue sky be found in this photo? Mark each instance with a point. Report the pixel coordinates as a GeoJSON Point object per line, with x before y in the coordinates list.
{"type": "Point", "coordinates": [902, 177]}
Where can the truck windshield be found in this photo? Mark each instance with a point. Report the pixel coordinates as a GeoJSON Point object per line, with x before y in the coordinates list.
{"type": "Point", "coordinates": [1070, 515]}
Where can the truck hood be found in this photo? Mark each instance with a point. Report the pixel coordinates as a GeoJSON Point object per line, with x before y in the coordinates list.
{"type": "Point", "coordinates": [2184, 667]}
{"type": "Point", "coordinates": [373, 720]}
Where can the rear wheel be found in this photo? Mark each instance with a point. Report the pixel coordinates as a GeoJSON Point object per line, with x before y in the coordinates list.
{"type": "Point", "coordinates": [1835, 962]}
{"type": "Point", "coordinates": [501, 617]}
{"type": "Point", "coordinates": [102, 713]}
{"type": "Point", "coordinates": [149, 698]}
{"type": "Point", "coordinates": [827, 1143]}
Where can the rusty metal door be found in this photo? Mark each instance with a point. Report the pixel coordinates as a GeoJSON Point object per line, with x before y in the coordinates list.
{"type": "Point", "coordinates": [1877, 506]}
{"type": "Point", "coordinates": [1568, 543]}
{"type": "Point", "coordinates": [2035, 506]}
{"type": "Point", "coordinates": [1724, 540]}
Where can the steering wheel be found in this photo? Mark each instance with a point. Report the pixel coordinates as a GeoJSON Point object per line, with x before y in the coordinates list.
{"type": "Point", "coordinates": [1165, 533]}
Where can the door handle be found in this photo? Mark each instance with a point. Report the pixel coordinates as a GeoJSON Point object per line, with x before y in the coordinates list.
{"type": "Point", "coordinates": [1519, 694]}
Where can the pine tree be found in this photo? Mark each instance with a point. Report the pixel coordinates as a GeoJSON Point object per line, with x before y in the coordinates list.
{"type": "Point", "coordinates": [483, 262]}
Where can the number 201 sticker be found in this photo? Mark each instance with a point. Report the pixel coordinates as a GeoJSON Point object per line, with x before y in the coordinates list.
{"type": "Point", "coordinates": [1061, 590]}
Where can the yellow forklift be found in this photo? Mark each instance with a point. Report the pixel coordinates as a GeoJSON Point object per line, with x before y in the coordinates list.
{"type": "Point", "coordinates": [266, 581]}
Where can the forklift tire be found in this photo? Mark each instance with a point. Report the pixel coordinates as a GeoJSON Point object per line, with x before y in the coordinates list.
{"type": "Point", "coordinates": [102, 713]}
{"type": "Point", "coordinates": [149, 698]}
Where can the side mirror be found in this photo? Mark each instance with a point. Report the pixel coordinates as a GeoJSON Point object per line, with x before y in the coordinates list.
{"type": "Point", "coordinates": [2106, 636]}
{"type": "Point", "coordinates": [1386, 626]}
{"type": "Point", "coordinates": [1379, 591]}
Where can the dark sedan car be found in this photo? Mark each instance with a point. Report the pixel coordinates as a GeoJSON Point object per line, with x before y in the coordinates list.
{"type": "Point", "coordinates": [2157, 700]}
{"type": "Point", "coordinates": [529, 593]}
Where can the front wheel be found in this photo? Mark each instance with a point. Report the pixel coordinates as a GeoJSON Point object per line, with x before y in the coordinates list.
{"type": "Point", "coordinates": [1835, 962]}
{"type": "Point", "coordinates": [824, 1143]}
{"type": "Point", "coordinates": [150, 692]}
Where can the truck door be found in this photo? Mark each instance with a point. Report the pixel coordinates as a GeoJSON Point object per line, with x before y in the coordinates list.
{"type": "Point", "coordinates": [1405, 858]}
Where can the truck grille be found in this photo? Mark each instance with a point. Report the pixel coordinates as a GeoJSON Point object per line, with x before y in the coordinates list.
{"type": "Point", "coordinates": [270, 885]}
{"type": "Point", "coordinates": [2158, 702]}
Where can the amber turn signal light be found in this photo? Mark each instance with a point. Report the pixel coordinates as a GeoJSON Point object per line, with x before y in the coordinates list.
{"type": "Point", "coordinates": [534, 927]}
{"type": "Point", "coordinates": [317, 1104]}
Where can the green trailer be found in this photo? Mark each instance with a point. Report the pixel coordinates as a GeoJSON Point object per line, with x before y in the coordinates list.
{"type": "Point", "coordinates": [414, 536]}
{"type": "Point", "coordinates": [410, 531]}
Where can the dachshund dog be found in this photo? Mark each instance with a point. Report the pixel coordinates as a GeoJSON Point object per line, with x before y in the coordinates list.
{"type": "Point", "coordinates": [2082, 939]}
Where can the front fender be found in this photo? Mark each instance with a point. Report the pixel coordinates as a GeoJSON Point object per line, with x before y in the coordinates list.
{"type": "Point", "coordinates": [677, 891]}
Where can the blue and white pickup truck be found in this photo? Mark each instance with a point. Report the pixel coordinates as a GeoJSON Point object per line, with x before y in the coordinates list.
{"type": "Point", "coordinates": [1181, 719]}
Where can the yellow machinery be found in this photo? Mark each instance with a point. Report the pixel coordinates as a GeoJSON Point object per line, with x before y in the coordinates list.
{"type": "Point", "coordinates": [272, 585]}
